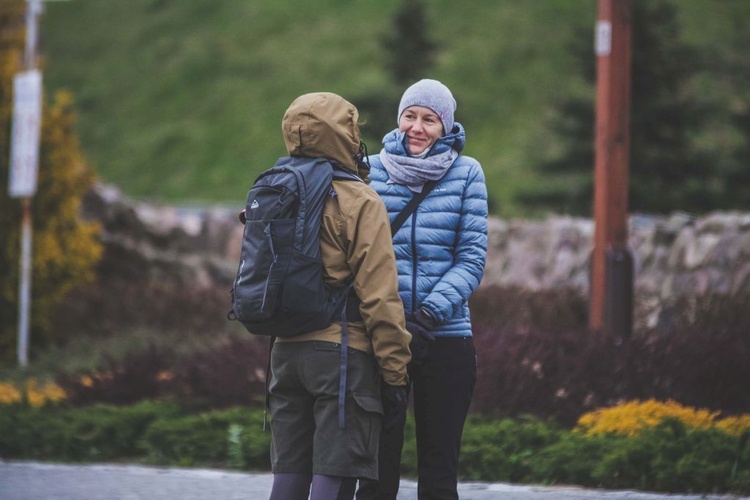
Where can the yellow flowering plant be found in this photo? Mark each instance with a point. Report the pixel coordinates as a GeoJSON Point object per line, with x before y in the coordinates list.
{"type": "Point", "coordinates": [9, 393]}
{"type": "Point", "coordinates": [36, 393]}
{"type": "Point", "coordinates": [735, 425]}
{"type": "Point", "coordinates": [630, 417]}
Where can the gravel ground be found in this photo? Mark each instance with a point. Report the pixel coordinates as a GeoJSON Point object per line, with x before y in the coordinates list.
{"type": "Point", "coordinates": [47, 481]}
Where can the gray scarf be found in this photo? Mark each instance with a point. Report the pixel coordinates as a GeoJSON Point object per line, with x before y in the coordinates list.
{"type": "Point", "coordinates": [413, 172]}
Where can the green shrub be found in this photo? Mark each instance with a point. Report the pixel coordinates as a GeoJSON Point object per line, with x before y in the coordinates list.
{"type": "Point", "coordinates": [99, 432]}
{"type": "Point", "coordinates": [107, 432]}
{"type": "Point", "coordinates": [204, 439]}
{"type": "Point", "coordinates": [158, 432]}
{"type": "Point", "coordinates": [504, 450]}
{"type": "Point", "coordinates": [256, 443]}
{"type": "Point", "coordinates": [571, 460]}
{"type": "Point", "coordinates": [740, 482]}
{"type": "Point", "coordinates": [32, 433]}
{"type": "Point", "coordinates": [669, 457]}
{"type": "Point", "coordinates": [409, 453]}
{"type": "Point", "coordinates": [672, 457]}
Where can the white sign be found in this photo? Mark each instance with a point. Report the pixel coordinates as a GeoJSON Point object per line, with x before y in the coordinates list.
{"type": "Point", "coordinates": [603, 38]}
{"type": "Point", "coordinates": [26, 129]}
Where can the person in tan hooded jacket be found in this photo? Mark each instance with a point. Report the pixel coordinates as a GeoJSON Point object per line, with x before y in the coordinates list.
{"type": "Point", "coordinates": [310, 453]}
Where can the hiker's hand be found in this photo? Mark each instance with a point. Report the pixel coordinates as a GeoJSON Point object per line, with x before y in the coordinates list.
{"type": "Point", "coordinates": [420, 325]}
{"type": "Point", "coordinates": [395, 401]}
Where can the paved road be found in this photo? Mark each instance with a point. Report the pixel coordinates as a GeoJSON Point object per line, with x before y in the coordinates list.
{"type": "Point", "coordinates": [42, 481]}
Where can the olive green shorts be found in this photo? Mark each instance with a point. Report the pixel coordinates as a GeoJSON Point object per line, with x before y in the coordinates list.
{"type": "Point", "coordinates": [303, 401]}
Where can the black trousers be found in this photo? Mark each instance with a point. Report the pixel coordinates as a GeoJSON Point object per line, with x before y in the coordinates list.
{"type": "Point", "coordinates": [443, 384]}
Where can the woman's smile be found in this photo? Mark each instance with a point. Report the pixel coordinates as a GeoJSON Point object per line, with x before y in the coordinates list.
{"type": "Point", "coordinates": [422, 126]}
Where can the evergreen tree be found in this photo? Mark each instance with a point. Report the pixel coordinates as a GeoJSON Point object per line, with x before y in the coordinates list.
{"type": "Point", "coordinates": [410, 54]}
{"type": "Point", "coordinates": [738, 72]}
{"type": "Point", "coordinates": [667, 169]}
{"type": "Point", "coordinates": [65, 248]}
{"type": "Point", "coordinates": [738, 174]}
{"type": "Point", "coordinates": [410, 51]}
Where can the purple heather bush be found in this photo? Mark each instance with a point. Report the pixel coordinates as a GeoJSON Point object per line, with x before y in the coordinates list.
{"type": "Point", "coordinates": [536, 354]}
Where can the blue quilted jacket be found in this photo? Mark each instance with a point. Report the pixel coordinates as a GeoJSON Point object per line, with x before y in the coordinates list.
{"type": "Point", "coordinates": [441, 248]}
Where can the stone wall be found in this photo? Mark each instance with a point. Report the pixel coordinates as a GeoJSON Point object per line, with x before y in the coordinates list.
{"type": "Point", "coordinates": [675, 255]}
{"type": "Point", "coordinates": [672, 256]}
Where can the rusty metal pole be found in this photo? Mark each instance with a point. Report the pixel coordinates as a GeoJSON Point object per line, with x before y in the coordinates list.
{"type": "Point", "coordinates": [609, 299]}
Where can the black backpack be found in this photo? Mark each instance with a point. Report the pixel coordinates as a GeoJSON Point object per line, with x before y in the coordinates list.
{"type": "Point", "coordinates": [279, 289]}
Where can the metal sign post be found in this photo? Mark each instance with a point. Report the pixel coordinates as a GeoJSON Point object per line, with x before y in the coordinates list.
{"type": "Point", "coordinates": [24, 148]}
{"type": "Point", "coordinates": [24, 165]}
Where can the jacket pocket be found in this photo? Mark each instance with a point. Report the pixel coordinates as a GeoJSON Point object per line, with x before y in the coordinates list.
{"type": "Point", "coordinates": [368, 402]}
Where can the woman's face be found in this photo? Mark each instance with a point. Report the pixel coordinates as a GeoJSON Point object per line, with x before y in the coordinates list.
{"type": "Point", "coordinates": [422, 126]}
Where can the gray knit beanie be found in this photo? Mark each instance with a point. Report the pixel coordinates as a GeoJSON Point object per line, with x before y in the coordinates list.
{"type": "Point", "coordinates": [430, 94]}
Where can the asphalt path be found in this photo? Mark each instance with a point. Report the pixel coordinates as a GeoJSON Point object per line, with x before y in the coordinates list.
{"type": "Point", "coordinates": [46, 481]}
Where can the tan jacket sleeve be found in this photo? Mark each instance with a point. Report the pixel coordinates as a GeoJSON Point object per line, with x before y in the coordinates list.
{"type": "Point", "coordinates": [372, 260]}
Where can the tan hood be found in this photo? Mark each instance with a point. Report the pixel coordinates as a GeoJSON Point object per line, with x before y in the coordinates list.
{"type": "Point", "coordinates": [322, 124]}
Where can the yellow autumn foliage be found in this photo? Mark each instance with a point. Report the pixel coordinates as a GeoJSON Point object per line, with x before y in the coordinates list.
{"type": "Point", "coordinates": [631, 417]}
{"type": "Point", "coordinates": [736, 425]}
{"type": "Point", "coordinates": [9, 393]}
{"type": "Point", "coordinates": [36, 393]}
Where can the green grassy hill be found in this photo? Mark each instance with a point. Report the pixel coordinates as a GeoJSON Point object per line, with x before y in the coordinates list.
{"type": "Point", "coordinates": [181, 100]}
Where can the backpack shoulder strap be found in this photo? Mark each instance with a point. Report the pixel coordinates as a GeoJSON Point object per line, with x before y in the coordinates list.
{"type": "Point", "coordinates": [314, 177]}
{"type": "Point", "coordinates": [341, 173]}
{"type": "Point", "coordinates": [412, 206]}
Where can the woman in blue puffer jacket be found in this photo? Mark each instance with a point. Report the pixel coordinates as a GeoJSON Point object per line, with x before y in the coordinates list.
{"type": "Point", "coordinates": [440, 252]}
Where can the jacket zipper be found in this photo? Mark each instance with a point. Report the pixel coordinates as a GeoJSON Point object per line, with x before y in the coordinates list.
{"type": "Point", "coordinates": [414, 261]}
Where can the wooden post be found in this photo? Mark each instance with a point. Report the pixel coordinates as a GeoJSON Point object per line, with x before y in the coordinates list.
{"type": "Point", "coordinates": [613, 42]}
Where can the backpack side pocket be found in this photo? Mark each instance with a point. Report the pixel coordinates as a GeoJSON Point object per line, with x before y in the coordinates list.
{"type": "Point", "coordinates": [260, 283]}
